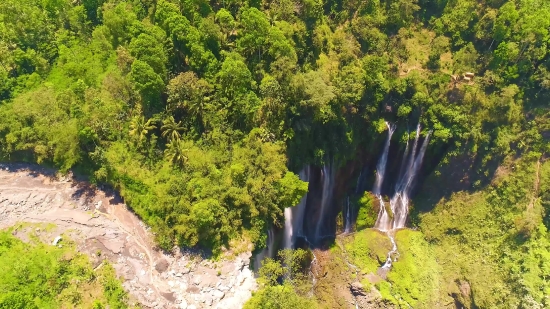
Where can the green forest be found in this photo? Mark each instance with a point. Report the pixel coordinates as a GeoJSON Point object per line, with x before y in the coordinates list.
{"type": "Point", "coordinates": [201, 113]}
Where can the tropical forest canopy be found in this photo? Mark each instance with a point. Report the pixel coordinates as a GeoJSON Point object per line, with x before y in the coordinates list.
{"type": "Point", "coordinates": [201, 112]}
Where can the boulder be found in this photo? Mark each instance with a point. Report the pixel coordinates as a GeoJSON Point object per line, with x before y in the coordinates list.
{"type": "Point", "coordinates": [357, 289]}
{"type": "Point", "coordinates": [162, 265]}
{"type": "Point", "coordinates": [217, 294]}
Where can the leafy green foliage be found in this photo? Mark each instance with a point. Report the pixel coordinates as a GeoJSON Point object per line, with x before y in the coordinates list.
{"type": "Point", "coordinates": [292, 268]}
{"type": "Point", "coordinates": [43, 276]}
{"type": "Point", "coordinates": [278, 297]}
{"type": "Point", "coordinates": [416, 276]}
{"type": "Point", "coordinates": [367, 214]}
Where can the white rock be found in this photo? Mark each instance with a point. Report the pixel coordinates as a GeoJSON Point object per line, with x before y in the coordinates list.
{"type": "Point", "coordinates": [197, 280]}
{"type": "Point", "coordinates": [56, 240]}
{"type": "Point", "coordinates": [183, 304]}
{"type": "Point", "coordinates": [217, 294]}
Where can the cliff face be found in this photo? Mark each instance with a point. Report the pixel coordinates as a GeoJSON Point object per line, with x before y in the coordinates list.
{"type": "Point", "coordinates": [332, 186]}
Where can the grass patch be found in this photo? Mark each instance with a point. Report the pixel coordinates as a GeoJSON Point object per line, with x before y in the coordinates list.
{"type": "Point", "coordinates": [493, 242]}
{"type": "Point", "coordinates": [45, 276]}
{"type": "Point", "coordinates": [368, 249]}
{"type": "Point", "coordinates": [415, 276]}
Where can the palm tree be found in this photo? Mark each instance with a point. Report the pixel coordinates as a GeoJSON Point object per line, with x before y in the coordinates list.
{"type": "Point", "coordinates": [139, 127]}
{"type": "Point", "coordinates": [171, 129]}
{"type": "Point", "coordinates": [176, 151]}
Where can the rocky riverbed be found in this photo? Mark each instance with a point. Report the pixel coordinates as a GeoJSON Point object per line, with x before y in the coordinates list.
{"type": "Point", "coordinates": [103, 227]}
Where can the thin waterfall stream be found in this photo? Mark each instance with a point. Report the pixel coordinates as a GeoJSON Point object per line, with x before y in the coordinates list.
{"type": "Point", "coordinates": [384, 217]}
{"type": "Point", "coordinates": [347, 226]}
{"type": "Point", "coordinates": [395, 216]}
{"type": "Point", "coordinates": [326, 198]}
{"type": "Point", "coordinates": [294, 216]}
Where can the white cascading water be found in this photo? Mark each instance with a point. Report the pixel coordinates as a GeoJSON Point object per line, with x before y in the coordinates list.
{"type": "Point", "coordinates": [399, 203]}
{"type": "Point", "coordinates": [358, 186]}
{"type": "Point", "coordinates": [384, 218]}
{"type": "Point", "coordinates": [294, 216]}
{"type": "Point", "coordinates": [391, 253]}
{"type": "Point", "coordinates": [347, 226]}
{"type": "Point", "coordinates": [328, 183]}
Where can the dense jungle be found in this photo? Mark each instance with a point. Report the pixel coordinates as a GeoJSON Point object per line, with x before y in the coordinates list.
{"type": "Point", "coordinates": [214, 120]}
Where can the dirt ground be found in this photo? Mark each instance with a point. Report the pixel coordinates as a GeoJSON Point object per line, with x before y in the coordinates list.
{"type": "Point", "coordinates": [104, 228]}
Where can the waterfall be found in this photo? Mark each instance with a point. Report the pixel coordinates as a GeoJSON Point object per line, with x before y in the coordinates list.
{"type": "Point", "coordinates": [326, 198]}
{"type": "Point", "coordinates": [294, 216]}
{"type": "Point", "coordinates": [347, 226]}
{"type": "Point", "coordinates": [384, 218]}
{"type": "Point", "coordinates": [399, 203]}
{"type": "Point", "coordinates": [267, 252]}
{"type": "Point", "coordinates": [404, 160]}
{"type": "Point", "coordinates": [393, 251]}
{"type": "Point", "coordinates": [381, 167]}
{"type": "Point", "coordinates": [289, 229]}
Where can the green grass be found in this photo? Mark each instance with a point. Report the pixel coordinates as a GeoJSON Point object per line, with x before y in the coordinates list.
{"type": "Point", "coordinates": [368, 249]}
{"type": "Point", "coordinates": [416, 275]}
{"type": "Point", "coordinates": [494, 240]}
{"type": "Point", "coordinates": [45, 276]}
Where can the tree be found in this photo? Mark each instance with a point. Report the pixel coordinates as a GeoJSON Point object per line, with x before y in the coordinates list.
{"type": "Point", "coordinates": [139, 128]}
{"type": "Point", "coordinates": [255, 31]}
{"type": "Point", "coordinates": [235, 85]}
{"type": "Point", "coordinates": [227, 25]}
{"type": "Point", "coordinates": [189, 92]}
{"type": "Point", "coordinates": [171, 129]}
{"type": "Point", "coordinates": [292, 266]}
{"type": "Point", "coordinates": [148, 49]}
{"type": "Point", "coordinates": [176, 151]}
{"type": "Point", "coordinates": [505, 21]}
{"type": "Point", "coordinates": [147, 83]}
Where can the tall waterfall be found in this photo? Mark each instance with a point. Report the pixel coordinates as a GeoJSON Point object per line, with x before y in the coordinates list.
{"type": "Point", "coordinates": [294, 216]}
{"type": "Point", "coordinates": [399, 203]}
{"type": "Point", "coordinates": [328, 184]}
{"type": "Point", "coordinates": [347, 224]}
{"type": "Point", "coordinates": [383, 217]}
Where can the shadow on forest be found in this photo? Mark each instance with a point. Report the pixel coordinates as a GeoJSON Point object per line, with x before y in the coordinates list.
{"type": "Point", "coordinates": [461, 174]}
